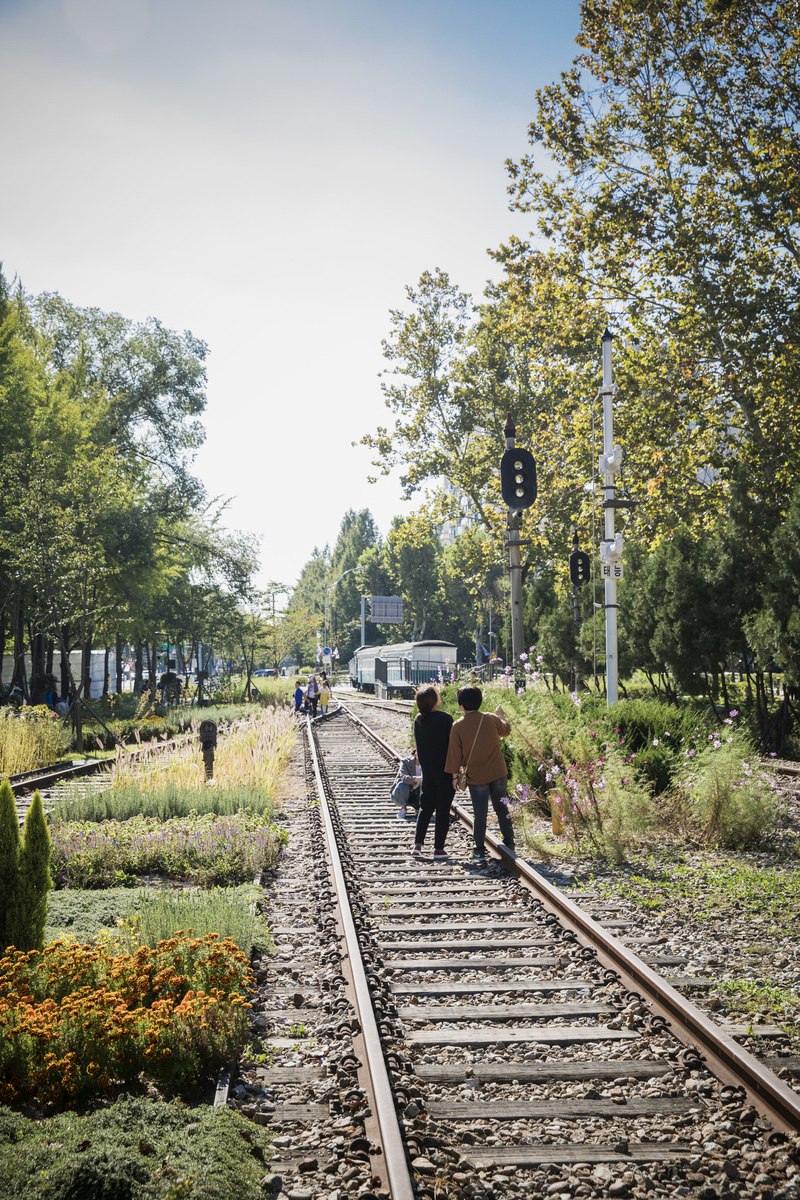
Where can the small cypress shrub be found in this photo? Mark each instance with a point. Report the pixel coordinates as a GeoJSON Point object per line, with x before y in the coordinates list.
{"type": "Point", "coordinates": [9, 861]}
{"type": "Point", "coordinates": [34, 881]}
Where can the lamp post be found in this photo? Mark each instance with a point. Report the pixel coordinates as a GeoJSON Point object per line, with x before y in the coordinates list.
{"type": "Point", "coordinates": [330, 588]}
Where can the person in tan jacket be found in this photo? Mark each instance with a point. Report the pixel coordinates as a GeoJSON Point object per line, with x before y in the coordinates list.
{"type": "Point", "coordinates": [475, 745]}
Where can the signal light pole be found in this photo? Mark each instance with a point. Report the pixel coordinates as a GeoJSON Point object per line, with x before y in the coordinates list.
{"type": "Point", "coordinates": [518, 486]}
{"type": "Point", "coordinates": [611, 548]}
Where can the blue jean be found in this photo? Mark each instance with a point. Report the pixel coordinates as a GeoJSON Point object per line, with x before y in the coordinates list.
{"type": "Point", "coordinates": [481, 794]}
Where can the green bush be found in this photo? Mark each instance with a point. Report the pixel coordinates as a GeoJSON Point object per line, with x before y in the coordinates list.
{"type": "Point", "coordinates": [25, 868]}
{"type": "Point", "coordinates": [133, 1150]}
{"type": "Point", "coordinates": [724, 797]}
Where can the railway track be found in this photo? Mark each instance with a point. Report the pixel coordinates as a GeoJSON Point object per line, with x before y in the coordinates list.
{"type": "Point", "coordinates": [507, 1042]}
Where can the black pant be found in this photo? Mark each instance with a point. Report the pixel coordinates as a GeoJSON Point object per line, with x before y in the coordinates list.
{"type": "Point", "coordinates": [437, 797]}
{"type": "Point", "coordinates": [313, 701]}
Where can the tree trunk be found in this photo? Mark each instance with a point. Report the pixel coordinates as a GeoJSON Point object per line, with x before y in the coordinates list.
{"type": "Point", "coordinates": [86, 666]}
{"type": "Point", "coordinates": [153, 667]}
{"type": "Point", "coordinates": [48, 658]}
{"type": "Point", "coordinates": [18, 677]}
{"type": "Point", "coordinates": [106, 679]}
{"type": "Point", "coordinates": [66, 673]}
{"type": "Point", "coordinates": [138, 670]}
{"type": "Point", "coordinates": [725, 696]}
{"type": "Point", "coordinates": [118, 653]}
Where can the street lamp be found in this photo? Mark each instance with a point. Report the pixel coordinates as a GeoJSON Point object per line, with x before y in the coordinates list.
{"type": "Point", "coordinates": [330, 588]}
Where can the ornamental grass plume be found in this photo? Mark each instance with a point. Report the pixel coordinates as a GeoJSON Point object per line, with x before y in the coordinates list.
{"type": "Point", "coordinates": [29, 738]}
{"type": "Point", "coordinates": [252, 753]}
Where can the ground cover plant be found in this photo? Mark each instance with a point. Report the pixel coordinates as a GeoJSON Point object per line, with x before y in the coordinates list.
{"type": "Point", "coordinates": [78, 1021]}
{"type": "Point", "coordinates": [230, 912]}
{"type": "Point", "coordinates": [767, 897]}
{"type": "Point", "coordinates": [207, 850]}
{"type": "Point", "coordinates": [134, 1149]}
{"type": "Point", "coordinates": [74, 914]}
{"type": "Point", "coordinates": [130, 917]}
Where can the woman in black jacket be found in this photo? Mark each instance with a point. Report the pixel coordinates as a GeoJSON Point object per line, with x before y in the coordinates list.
{"type": "Point", "coordinates": [432, 737]}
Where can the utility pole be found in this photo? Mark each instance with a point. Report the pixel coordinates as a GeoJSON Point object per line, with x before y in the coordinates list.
{"type": "Point", "coordinates": [612, 544]}
{"type": "Point", "coordinates": [518, 485]}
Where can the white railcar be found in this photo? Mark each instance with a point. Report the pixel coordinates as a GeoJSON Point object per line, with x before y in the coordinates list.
{"type": "Point", "coordinates": [399, 669]}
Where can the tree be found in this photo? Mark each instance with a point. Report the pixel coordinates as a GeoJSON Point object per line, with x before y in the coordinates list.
{"type": "Point", "coordinates": [9, 862]}
{"type": "Point", "coordinates": [29, 906]}
{"type": "Point", "coordinates": [152, 380]}
{"type": "Point", "coordinates": [675, 138]}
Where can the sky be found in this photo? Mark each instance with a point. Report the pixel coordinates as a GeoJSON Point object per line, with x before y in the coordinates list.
{"type": "Point", "coordinates": [271, 175]}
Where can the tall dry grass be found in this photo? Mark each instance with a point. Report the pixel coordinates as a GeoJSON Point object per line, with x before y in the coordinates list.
{"type": "Point", "coordinates": [253, 754]}
{"type": "Point", "coordinates": [30, 738]}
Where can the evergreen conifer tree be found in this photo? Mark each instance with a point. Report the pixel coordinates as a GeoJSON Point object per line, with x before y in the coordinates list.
{"type": "Point", "coordinates": [9, 861]}
{"type": "Point", "coordinates": [34, 879]}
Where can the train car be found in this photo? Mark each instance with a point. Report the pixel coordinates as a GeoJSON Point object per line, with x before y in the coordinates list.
{"type": "Point", "coordinates": [399, 669]}
{"type": "Point", "coordinates": [362, 668]}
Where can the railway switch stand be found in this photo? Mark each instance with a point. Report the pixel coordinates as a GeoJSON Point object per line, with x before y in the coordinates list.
{"type": "Point", "coordinates": [208, 743]}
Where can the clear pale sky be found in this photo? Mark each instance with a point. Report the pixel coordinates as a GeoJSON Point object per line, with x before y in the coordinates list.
{"type": "Point", "coordinates": [269, 174]}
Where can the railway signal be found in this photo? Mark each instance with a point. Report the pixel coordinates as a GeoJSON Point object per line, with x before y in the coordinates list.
{"type": "Point", "coordinates": [518, 487]}
{"type": "Point", "coordinates": [579, 565]}
{"type": "Point", "coordinates": [518, 477]}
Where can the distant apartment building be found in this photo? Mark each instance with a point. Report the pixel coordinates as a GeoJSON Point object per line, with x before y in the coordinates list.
{"type": "Point", "coordinates": [448, 531]}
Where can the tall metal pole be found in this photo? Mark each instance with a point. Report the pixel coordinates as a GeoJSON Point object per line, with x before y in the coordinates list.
{"type": "Point", "coordinates": [611, 466]}
{"type": "Point", "coordinates": [515, 561]}
{"type": "Point", "coordinates": [363, 620]}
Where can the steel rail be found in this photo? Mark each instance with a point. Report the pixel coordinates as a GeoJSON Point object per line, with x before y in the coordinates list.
{"type": "Point", "coordinates": [727, 1060]}
{"type": "Point", "coordinates": [392, 1142]}
{"type": "Point", "coordinates": [35, 781]}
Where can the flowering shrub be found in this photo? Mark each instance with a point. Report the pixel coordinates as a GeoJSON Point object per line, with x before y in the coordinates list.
{"type": "Point", "coordinates": [596, 798]}
{"type": "Point", "coordinates": [724, 796]}
{"type": "Point", "coordinates": [207, 849]}
{"type": "Point", "coordinates": [76, 1020]}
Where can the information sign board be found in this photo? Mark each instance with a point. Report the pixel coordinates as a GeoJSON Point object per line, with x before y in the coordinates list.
{"type": "Point", "coordinates": [386, 610]}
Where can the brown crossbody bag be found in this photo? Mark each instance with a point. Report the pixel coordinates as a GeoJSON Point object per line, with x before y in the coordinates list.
{"type": "Point", "coordinates": [461, 782]}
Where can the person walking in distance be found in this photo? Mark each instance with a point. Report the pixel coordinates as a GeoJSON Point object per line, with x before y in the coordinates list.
{"type": "Point", "coordinates": [432, 738]}
{"type": "Point", "coordinates": [312, 695]}
{"type": "Point", "coordinates": [324, 695]}
{"type": "Point", "coordinates": [475, 760]}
